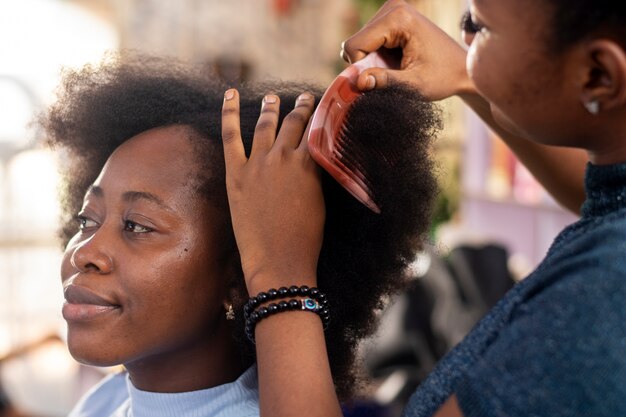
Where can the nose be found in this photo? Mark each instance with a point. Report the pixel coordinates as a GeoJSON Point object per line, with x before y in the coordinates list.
{"type": "Point", "coordinates": [91, 255]}
{"type": "Point", "coordinates": [468, 37]}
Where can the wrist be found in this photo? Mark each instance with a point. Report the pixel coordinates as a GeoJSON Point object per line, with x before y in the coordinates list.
{"type": "Point", "coordinates": [466, 87]}
{"type": "Point", "coordinates": [263, 281]}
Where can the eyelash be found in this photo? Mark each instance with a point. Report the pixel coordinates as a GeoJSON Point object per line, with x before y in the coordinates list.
{"type": "Point", "coordinates": [129, 226]}
{"type": "Point", "coordinates": [469, 24]}
{"type": "Point", "coordinates": [82, 222]}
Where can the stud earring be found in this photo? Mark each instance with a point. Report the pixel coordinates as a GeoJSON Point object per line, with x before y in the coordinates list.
{"type": "Point", "coordinates": [230, 313]}
{"type": "Point", "coordinates": [593, 107]}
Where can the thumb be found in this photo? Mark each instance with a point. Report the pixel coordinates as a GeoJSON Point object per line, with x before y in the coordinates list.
{"type": "Point", "coordinates": [380, 78]}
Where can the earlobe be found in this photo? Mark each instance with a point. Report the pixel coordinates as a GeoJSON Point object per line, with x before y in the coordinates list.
{"type": "Point", "coordinates": [605, 82]}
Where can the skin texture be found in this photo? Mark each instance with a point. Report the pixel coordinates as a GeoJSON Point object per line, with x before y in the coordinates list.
{"type": "Point", "coordinates": [530, 95]}
{"type": "Point", "coordinates": [157, 256]}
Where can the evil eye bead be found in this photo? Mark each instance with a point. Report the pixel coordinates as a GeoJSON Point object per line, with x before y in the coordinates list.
{"type": "Point", "coordinates": [309, 304]}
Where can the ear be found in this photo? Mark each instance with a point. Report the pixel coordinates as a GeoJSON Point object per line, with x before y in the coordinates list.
{"type": "Point", "coordinates": [605, 78]}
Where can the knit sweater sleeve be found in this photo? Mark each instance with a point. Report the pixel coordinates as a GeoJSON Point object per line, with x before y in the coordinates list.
{"type": "Point", "coordinates": [563, 351]}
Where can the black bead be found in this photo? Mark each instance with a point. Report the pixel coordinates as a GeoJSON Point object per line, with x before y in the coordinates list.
{"type": "Point", "coordinates": [254, 302]}
{"type": "Point", "coordinates": [262, 312]}
{"type": "Point", "coordinates": [262, 297]}
{"type": "Point", "coordinates": [272, 293]}
{"type": "Point", "coordinates": [272, 308]}
{"type": "Point", "coordinates": [246, 310]}
{"type": "Point", "coordinates": [294, 304]}
{"type": "Point", "coordinates": [283, 305]}
{"type": "Point", "coordinates": [254, 316]}
{"type": "Point", "coordinates": [293, 290]}
{"type": "Point", "coordinates": [283, 291]}
{"type": "Point", "coordinates": [314, 292]}
{"type": "Point", "coordinates": [321, 297]}
{"type": "Point", "coordinates": [304, 290]}
{"type": "Point", "coordinates": [324, 312]}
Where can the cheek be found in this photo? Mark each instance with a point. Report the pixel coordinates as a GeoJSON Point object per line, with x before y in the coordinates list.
{"type": "Point", "coordinates": [486, 74]}
{"type": "Point", "coordinates": [67, 269]}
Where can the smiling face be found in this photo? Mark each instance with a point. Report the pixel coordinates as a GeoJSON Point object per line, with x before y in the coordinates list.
{"type": "Point", "coordinates": [532, 90]}
{"type": "Point", "coordinates": [145, 276]}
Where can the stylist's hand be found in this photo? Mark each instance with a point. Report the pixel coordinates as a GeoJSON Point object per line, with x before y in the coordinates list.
{"type": "Point", "coordinates": [432, 62]}
{"type": "Point", "coordinates": [275, 196]}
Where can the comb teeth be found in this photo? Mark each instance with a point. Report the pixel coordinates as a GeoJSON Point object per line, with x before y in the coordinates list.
{"type": "Point", "coordinates": [329, 140]}
{"type": "Point", "coordinates": [351, 157]}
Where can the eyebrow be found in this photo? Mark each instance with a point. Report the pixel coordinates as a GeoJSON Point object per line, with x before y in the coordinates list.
{"type": "Point", "coordinates": [131, 196]}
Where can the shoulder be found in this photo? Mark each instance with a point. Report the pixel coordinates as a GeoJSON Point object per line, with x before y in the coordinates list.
{"type": "Point", "coordinates": [104, 398]}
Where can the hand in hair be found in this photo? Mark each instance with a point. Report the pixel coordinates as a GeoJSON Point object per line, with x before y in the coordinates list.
{"type": "Point", "coordinates": [274, 192]}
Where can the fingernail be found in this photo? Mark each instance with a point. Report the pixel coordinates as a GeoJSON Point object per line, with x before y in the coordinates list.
{"type": "Point", "coordinates": [269, 99]}
{"type": "Point", "coordinates": [304, 97]}
{"type": "Point", "coordinates": [371, 82]}
{"type": "Point", "coordinates": [229, 94]}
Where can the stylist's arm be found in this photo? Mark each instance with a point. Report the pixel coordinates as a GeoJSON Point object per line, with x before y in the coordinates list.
{"type": "Point", "coordinates": [434, 64]}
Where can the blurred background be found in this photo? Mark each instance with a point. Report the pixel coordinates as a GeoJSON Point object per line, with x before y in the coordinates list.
{"type": "Point", "coordinates": [493, 222]}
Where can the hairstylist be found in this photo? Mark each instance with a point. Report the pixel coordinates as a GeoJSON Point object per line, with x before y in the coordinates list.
{"type": "Point", "coordinates": [435, 64]}
{"type": "Point", "coordinates": [553, 72]}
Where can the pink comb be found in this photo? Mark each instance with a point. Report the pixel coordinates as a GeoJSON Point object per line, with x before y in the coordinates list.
{"type": "Point", "coordinates": [327, 134]}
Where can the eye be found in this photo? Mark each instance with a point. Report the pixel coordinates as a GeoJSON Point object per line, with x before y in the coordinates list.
{"type": "Point", "coordinates": [85, 222]}
{"type": "Point", "coordinates": [469, 24]}
{"type": "Point", "coordinates": [130, 226]}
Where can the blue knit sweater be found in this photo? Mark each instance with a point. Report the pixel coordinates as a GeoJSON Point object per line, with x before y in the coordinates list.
{"type": "Point", "coordinates": [556, 343]}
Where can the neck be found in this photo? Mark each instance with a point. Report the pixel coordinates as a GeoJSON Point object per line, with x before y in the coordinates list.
{"type": "Point", "coordinates": [607, 146]}
{"type": "Point", "coordinates": [205, 363]}
{"type": "Point", "coordinates": [609, 156]}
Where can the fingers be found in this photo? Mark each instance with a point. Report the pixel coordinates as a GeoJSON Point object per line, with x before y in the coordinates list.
{"type": "Point", "coordinates": [368, 39]}
{"type": "Point", "coordinates": [265, 130]}
{"type": "Point", "coordinates": [384, 29]}
{"type": "Point", "coordinates": [295, 123]}
{"type": "Point", "coordinates": [373, 78]}
{"type": "Point", "coordinates": [234, 155]}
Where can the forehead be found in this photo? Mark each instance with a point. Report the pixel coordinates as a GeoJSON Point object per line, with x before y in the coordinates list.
{"type": "Point", "coordinates": [161, 159]}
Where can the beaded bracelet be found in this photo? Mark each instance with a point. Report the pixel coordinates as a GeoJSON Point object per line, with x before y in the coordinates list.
{"type": "Point", "coordinates": [306, 304]}
{"type": "Point", "coordinates": [284, 292]}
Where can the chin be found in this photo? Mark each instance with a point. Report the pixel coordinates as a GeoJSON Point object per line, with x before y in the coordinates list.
{"type": "Point", "coordinates": [91, 352]}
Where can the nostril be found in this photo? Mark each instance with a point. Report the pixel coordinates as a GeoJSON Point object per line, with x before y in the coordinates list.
{"type": "Point", "coordinates": [88, 258]}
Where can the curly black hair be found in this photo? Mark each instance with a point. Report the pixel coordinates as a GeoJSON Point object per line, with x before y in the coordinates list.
{"type": "Point", "coordinates": [364, 255]}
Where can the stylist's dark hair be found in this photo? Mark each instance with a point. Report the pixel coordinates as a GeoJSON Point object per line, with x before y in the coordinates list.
{"type": "Point", "coordinates": [574, 20]}
{"type": "Point", "coordinates": [364, 256]}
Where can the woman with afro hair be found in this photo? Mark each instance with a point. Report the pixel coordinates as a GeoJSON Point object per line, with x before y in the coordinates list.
{"type": "Point", "coordinates": [151, 273]}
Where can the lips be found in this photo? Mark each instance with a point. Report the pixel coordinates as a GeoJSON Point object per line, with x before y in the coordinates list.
{"type": "Point", "coordinates": [83, 304]}
{"type": "Point", "coordinates": [80, 295]}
